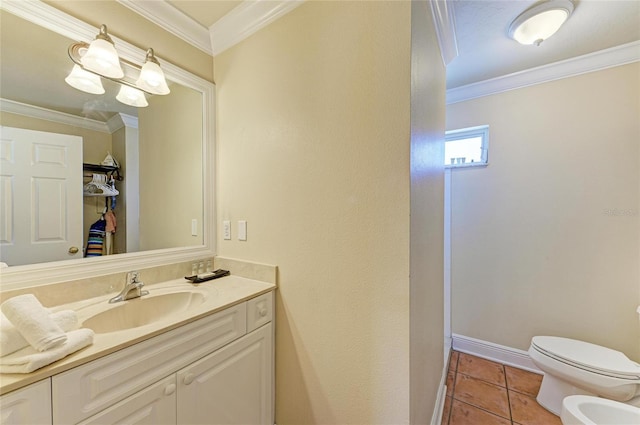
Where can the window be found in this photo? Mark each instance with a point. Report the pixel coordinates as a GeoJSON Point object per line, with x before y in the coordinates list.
{"type": "Point", "coordinates": [466, 147]}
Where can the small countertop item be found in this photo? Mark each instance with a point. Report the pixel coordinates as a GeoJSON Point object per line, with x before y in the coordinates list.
{"type": "Point", "coordinates": [203, 277]}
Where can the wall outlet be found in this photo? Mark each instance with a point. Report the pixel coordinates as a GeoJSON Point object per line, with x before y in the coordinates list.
{"type": "Point", "coordinates": [226, 230]}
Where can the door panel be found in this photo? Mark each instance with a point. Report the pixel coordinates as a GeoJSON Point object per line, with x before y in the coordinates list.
{"type": "Point", "coordinates": [40, 196]}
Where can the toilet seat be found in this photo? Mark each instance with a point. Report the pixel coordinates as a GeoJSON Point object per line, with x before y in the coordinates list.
{"type": "Point", "coordinates": [590, 357]}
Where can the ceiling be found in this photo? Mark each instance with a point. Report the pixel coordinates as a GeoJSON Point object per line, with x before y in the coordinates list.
{"type": "Point", "coordinates": [205, 13]}
{"type": "Point", "coordinates": [485, 51]}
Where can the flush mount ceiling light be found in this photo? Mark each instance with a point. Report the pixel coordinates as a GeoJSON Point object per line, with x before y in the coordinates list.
{"type": "Point", "coordinates": [100, 59]}
{"type": "Point", "coordinates": [540, 22]}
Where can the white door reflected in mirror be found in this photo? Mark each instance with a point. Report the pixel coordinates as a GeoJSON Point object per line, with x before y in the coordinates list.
{"type": "Point", "coordinates": [40, 196]}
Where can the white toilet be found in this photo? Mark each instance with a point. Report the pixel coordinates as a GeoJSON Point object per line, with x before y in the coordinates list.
{"type": "Point", "coordinates": [587, 410]}
{"type": "Point", "coordinates": [574, 367]}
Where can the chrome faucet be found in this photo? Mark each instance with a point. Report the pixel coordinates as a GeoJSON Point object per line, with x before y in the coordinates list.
{"type": "Point", "coordinates": [132, 289]}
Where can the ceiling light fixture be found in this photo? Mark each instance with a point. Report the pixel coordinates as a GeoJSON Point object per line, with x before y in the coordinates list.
{"type": "Point", "coordinates": [540, 22]}
{"type": "Point", "coordinates": [100, 59]}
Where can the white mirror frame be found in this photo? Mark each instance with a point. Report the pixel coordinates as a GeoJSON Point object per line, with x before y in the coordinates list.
{"type": "Point", "coordinates": [44, 273]}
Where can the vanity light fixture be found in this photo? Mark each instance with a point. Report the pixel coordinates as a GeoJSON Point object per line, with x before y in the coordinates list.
{"type": "Point", "coordinates": [540, 22]}
{"type": "Point", "coordinates": [151, 76]}
{"type": "Point", "coordinates": [84, 81]}
{"type": "Point", "coordinates": [132, 97]}
{"type": "Point", "coordinates": [100, 59]}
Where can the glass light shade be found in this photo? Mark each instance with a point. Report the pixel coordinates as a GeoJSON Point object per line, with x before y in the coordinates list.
{"type": "Point", "coordinates": [84, 81]}
{"type": "Point", "coordinates": [101, 57]}
{"type": "Point", "coordinates": [540, 27]}
{"type": "Point", "coordinates": [152, 79]}
{"type": "Point", "coordinates": [540, 22]}
{"type": "Point", "coordinates": [132, 97]}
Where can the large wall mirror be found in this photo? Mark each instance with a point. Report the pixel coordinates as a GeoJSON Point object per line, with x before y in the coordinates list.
{"type": "Point", "coordinates": [165, 154]}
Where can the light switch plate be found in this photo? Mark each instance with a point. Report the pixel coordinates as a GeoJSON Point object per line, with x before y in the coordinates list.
{"type": "Point", "coordinates": [242, 230]}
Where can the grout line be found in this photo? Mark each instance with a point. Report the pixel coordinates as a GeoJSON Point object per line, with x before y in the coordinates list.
{"type": "Point", "coordinates": [508, 397]}
{"type": "Point", "coordinates": [480, 408]}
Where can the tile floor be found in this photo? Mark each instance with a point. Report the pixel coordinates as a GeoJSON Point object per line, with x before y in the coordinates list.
{"type": "Point", "coordinates": [482, 392]}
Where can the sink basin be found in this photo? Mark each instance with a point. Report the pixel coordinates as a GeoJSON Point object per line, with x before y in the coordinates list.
{"type": "Point", "coordinates": [142, 311]}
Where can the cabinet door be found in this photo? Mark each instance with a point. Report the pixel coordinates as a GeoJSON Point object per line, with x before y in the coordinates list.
{"type": "Point", "coordinates": [155, 405]}
{"type": "Point", "coordinates": [231, 386]}
{"type": "Point", "coordinates": [29, 406]}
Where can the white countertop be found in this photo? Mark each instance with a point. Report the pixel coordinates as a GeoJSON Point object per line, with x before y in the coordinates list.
{"type": "Point", "coordinates": [219, 294]}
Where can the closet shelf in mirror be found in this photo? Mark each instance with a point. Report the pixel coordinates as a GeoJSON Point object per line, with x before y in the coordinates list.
{"type": "Point", "coordinates": [104, 169]}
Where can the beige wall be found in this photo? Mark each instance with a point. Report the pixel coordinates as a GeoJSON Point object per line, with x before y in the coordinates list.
{"type": "Point", "coordinates": [546, 239]}
{"type": "Point", "coordinates": [314, 152]}
{"type": "Point", "coordinates": [133, 28]}
{"type": "Point", "coordinates": [170, 148]}
{"type": "Point", "coordinates": [427, 214]}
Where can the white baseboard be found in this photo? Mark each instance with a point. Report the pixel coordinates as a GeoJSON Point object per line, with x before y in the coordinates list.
{"type": "Point", "coordinates": [495, 352]}
{"type": "Point", "coordinates": [438, 408]}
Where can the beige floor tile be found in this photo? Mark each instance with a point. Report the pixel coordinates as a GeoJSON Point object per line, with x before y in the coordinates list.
{"type": "Point", "coordinates": [482, 369]}
{"type": "Point", "coordinates": [526, 411]}
{"type": "Point", "coordinates": [523, 381]}
{"type": "Point", "coordinates": [446, 411]}
{"type": "Point", "coordinates": [465, 414]}
{"type": "Point", "coordinates": [450, 380]}
{"type": "Point", "coordinates": [453, 361]}
{"type": "Point", "coordinates": [482, 394]}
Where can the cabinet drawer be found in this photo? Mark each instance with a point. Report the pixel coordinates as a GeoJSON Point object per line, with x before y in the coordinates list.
{"type": "Point", "coordinates": [155, 405]}
{"type": "Point", "coordinates": [86, 390]}
{"type": "Point", "coordinates": [259, 311]}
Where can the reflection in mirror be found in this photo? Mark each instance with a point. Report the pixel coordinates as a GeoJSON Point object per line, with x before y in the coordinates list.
{"type": "Point", "coordinates": [159, 149]}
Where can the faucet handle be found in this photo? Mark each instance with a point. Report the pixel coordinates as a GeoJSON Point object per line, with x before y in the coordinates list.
{"type": "Point", "coordinates": [132, 277]}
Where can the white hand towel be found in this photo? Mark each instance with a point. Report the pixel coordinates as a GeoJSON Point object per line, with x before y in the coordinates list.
{"type": "Point", "coordinates": [11, 339]}
{"type": "Point", "coordinates": [28, 359]}
{"type": "Point", "coordinates": [33, 322]}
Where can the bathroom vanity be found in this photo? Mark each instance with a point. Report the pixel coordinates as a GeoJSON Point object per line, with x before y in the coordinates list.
{"type": "Point", "coordinates": [211, 361]}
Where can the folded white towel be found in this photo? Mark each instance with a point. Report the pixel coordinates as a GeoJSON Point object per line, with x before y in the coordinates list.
{"type": "Point", "coordinates": [28, 359]}
{"type": "Point", "coordinates": [33, 322]}
{"type": "Point", "coordinates": [11, 339]}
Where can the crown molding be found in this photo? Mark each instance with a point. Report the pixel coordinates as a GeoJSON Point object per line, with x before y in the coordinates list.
{"type": "Point", "coordinates": [120, 120]}
{"type": "Point", "coordinates": [444, 21]}
{"type": "Point", "coordinates": [245, 19]}
{"type": "Point", "coordinates": [32, 111]}
{"type": "Point", "coordinates": [173, 20]}
{"type": "Point", "coordinates": [596, 61]}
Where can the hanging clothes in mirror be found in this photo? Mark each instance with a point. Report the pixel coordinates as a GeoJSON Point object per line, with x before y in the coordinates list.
{"type": "Point", "coordinates": [95, 241]}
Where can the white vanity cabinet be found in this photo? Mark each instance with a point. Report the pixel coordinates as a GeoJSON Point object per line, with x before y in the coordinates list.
{"type": "Point", "coordinates": [29, 405]}
{"type": "Point", "coordinates": [231, 386]}
{"type": "Point", "coordinates": [211, 371]}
